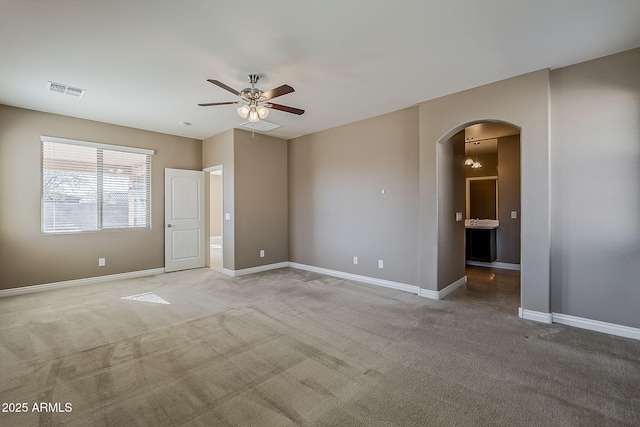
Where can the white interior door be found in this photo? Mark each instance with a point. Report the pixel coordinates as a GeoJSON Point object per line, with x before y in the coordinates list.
{"type": "Point", "coordinates": [184, 219]}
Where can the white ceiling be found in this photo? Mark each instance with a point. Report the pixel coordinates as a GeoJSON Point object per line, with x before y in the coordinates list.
{"type": "Point", "coordinates": [144, 63]}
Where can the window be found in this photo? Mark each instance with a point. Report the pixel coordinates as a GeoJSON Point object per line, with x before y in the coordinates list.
{"type": "Point", "coordinates": [88, 186]}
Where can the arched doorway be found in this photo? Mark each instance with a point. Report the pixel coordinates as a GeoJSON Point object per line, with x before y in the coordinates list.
{"type": "Point", "coordinates": [486, 230]}
{"type": "Point", "coordinates": [522, 101]}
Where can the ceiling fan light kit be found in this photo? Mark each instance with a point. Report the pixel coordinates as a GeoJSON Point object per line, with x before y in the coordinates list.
{"type": "Point", "coordinates": [255, 105]}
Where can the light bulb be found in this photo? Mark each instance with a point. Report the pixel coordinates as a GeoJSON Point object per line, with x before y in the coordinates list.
{"type": "Point", "coordinates": [262, 111]}
{"type": "Point", "coordinates": [243, 111]}
{"type": "Point", "coordinates": [468, 162]}
{"type": "Point", "coordinates": [253, 116]}
{"type": "Point", "coordinates": [476, 165]}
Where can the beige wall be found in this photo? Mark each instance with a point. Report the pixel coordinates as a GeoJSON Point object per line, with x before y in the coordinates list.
{"type": "Point", "coordinates": [28, 257]}
{"type": "Point", "coordinates": [596, 189]}
{"type": "Point", "coordinates": [337, 210]}
{"type": "Point", "coordinates": [261, 202]}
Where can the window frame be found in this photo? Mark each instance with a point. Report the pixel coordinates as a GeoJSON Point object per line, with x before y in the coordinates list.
{"type": "Point", "coordinates": [99, 173]}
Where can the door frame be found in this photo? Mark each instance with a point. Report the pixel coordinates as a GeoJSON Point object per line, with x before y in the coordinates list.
{"type": "Point", "coordinates": [208, 171]}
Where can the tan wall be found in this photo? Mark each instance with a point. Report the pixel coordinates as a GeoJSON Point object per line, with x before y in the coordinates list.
{"type": "Point", "coordinates": [508, 238]}
{"type": "Point", "coordinates": [596, 189]}
{"type": "Point", "coordinates": [337, 210]}
{"type": "Point", "coordinates": [452, 195]}
{"type": "Point", "coordinates": [218, 150]}
{"type": "Point", "coordinates": [28, 257]}
{"type": "Point", "coordinates": [261, 201]}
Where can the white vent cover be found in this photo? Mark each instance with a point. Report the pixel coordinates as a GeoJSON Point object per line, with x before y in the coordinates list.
{"type": "Point", "coordinates": [67, 90]}
{"type": "Point", "coordinates": [260, 126]}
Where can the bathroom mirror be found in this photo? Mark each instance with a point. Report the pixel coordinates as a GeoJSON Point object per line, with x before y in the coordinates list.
{"type": "Point", "coordinates": [482, 197]}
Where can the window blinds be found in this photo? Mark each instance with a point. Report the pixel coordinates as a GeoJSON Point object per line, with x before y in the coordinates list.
{"type": "Point", "coordinates": [90, 187]}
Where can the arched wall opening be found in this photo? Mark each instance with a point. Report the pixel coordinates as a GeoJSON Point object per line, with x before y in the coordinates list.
{"type": "Point", "coordinates": [524, 102]}
{"type": "Point", "coordinates": [496, 140]}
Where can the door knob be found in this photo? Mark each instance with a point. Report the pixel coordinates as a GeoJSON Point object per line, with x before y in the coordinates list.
{"type": "Point", "coordinates": [168, 225]}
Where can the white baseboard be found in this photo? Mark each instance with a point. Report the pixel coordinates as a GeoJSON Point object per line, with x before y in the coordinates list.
{"type": "Point", "coordinates": [596, 325]}
{"type": "Point", "coordinates": [536, 316]}
{"type": "Point", "coordinates": [228, 272]}
{"type": "Point", "coordinates": [501, 265]}
{"type": "Point", "coordinates": [452, 287]}
{"type": "Point", "coordinates": [78, 282]}
{"type": "Point", "coordinates": [426, 293]}
{"type": "Point", "coordinates": [252, 270]}
{"type": "Point", "coordinates": [357, 278]}
{"type": "Point", "coordinates": [437, 295]}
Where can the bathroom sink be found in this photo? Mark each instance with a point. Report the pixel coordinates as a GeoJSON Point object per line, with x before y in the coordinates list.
{"type": "Point", "coordinates": [485, 224]}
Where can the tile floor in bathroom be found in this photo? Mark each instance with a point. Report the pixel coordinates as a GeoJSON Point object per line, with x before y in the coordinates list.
{"type": "Point", "coordinates": [493, 288]}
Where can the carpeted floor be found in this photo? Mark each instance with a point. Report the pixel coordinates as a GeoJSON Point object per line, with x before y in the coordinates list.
{"type": "Point", "coordinates": [289, 347]}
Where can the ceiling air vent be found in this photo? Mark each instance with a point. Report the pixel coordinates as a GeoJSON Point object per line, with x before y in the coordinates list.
{"type": "Point", "coordinates": [260, 126]}
{"type": "Point", "coordinates": [67, 90]}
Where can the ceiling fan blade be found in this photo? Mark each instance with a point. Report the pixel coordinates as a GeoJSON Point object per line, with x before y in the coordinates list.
{"type": "Point", "coordinates": [219, 103]}
{"type": "Point", "coordinates": [279, 91]}
{"type": "Point", "coordinates": [284, 108]}
{"type": "Point", "coordinates": [224, 86]}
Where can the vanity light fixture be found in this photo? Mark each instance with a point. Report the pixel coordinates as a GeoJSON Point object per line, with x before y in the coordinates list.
{"type": "Point", "coordinates": [476, 164]}
{"type": "Point", "coordinates": [469, 160]}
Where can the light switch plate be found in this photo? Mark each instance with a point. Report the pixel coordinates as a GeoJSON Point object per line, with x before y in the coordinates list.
{"type": "Point", "coordinates": [458, 216]}
{"type": "Point", "coordinates": [380, 263]}
{"type": "Point", "coordinates": [261, 253]}
{"type": "Point", "coordinates": [227, 216]}
{"type": "Point", "coordinates": [101, 262]}
{"type": "Point", "coordinates": [514, 214]}
{"type": "Point", "coordinates": [355, 259]}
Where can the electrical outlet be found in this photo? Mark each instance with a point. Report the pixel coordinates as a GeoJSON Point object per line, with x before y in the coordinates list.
{"type": "Point", "coordinates": [380, 263]}
{"type": "Point", "coordinates": [261, 253]}
{"type": "Point", "coordinates": [458, 216]}
{"type": "Point", "coordinates": [102, 262]}
{"type": "Point", "coordinates": [355, 259]}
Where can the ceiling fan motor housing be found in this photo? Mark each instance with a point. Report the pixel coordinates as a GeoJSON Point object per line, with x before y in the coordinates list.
{"type": "Point", "coordinates": [252, 94]}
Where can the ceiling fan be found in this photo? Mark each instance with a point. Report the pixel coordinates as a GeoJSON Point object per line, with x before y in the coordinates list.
{"type": "Point", "coordinates": [255, 103]}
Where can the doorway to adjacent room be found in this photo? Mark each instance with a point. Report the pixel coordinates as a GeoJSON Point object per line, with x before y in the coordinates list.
{"type": "Point", "coordinates": [215, 219]}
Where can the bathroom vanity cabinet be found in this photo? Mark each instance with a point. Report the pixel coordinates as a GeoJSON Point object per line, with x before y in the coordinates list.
{"type": "Point", "coordinates": [481, 244]}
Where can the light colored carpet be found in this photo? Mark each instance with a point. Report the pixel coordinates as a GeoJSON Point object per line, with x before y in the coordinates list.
{"type": "Point", "coordinates": [288, 347]}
